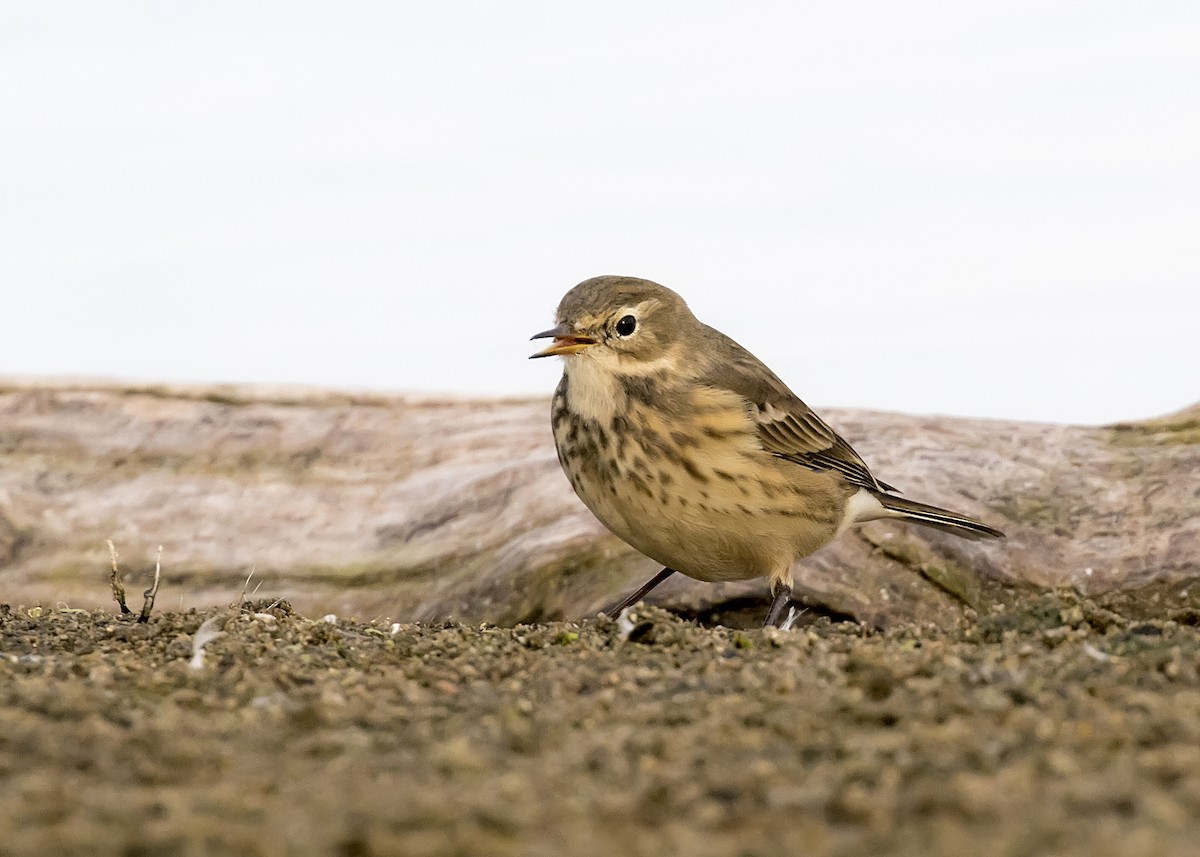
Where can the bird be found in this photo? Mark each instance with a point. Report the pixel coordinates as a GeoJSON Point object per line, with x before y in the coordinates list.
{"type": "Point", "coordinates": [692, 451]}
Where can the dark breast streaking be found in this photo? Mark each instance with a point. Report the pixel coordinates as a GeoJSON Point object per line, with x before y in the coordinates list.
{"type": "Point", "coordinates": [697, 499]}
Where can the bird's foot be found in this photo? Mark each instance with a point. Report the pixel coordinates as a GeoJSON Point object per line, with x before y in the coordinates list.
{"type": "Point", "coordinates": [779, 614]}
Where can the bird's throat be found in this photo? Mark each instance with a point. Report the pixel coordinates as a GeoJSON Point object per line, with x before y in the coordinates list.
{"type": "Point", "coordinates": [593, 391]}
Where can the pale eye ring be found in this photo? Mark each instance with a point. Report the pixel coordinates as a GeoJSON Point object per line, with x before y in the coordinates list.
{"type": "Point", "coordinates": [626, 326]}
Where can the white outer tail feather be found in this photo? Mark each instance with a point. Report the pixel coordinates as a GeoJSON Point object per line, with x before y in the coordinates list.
{"type": "Point", "coordinates": [867, 505]}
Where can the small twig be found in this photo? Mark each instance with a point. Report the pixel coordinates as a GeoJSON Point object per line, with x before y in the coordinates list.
{"type": "Point", "coordinates": [118, 587]}
{"type": "Point", "coordinates": [242, 597]}
{"type": "Point", "coordinates": [242, 602]}
{"type": "Point", "coordinates": [149, 595]}
{"type": "Point", "coordinates": [114, 579]}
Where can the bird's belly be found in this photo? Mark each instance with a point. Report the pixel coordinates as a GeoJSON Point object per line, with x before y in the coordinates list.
{"type": "Point", "coordinates": [705, 545]}
{"type": "Point", "coordinates": [710, 508]}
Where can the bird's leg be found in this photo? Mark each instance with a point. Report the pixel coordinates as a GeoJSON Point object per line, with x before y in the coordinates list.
{"type": "Point", "coordinates": [641, 593]}
{"type": "Point", "coordinates": [778, 612]}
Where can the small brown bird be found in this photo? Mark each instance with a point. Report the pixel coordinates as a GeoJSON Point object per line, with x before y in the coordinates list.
{"type": "Point", "coordinates": [690, 449]}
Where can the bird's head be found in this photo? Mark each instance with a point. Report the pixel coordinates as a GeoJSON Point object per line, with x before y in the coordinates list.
{"type": "Point", "coordinates": [622, 321]}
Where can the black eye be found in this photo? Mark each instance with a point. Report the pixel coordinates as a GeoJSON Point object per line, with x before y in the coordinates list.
{"type": "Point", "coordinates": [626, 326]}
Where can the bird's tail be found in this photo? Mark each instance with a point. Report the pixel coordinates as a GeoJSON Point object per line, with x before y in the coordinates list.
{"type": "Point", "coordinates": [932, 516]}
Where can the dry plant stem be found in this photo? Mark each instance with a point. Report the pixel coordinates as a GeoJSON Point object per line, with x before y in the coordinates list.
{"type": "Point", "coordinates": [149, 595]}
{"type": "Point", "coordinates": [242, 596]}
{"type": "Point", "coordinates": [114, 579]}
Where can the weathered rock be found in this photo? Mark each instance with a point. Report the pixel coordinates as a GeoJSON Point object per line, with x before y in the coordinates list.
{"type": "Point", "coordinates": [438, 508]}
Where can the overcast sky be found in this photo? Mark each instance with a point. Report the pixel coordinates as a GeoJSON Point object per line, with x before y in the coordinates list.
{"type": "Point", "coordinates": [986, 209]}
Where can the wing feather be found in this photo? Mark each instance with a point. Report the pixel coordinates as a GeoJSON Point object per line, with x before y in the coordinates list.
{"type": "Point", "coordinates": [786, 426]}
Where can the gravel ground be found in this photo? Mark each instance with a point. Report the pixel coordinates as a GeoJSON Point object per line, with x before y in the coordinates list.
{"type": "Point", "coordinates": [1053, 725]}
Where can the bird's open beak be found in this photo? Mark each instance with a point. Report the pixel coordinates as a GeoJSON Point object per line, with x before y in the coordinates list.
{"type": "Point", "coordinates": [565, 342]}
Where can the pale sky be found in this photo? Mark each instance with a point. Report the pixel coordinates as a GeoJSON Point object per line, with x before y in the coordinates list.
{"type": "Point", "coordinates": [981, 209]}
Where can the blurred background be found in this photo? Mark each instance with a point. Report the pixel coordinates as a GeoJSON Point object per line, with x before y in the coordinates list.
{"type": "Point", "coordinates": [973, 209]}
